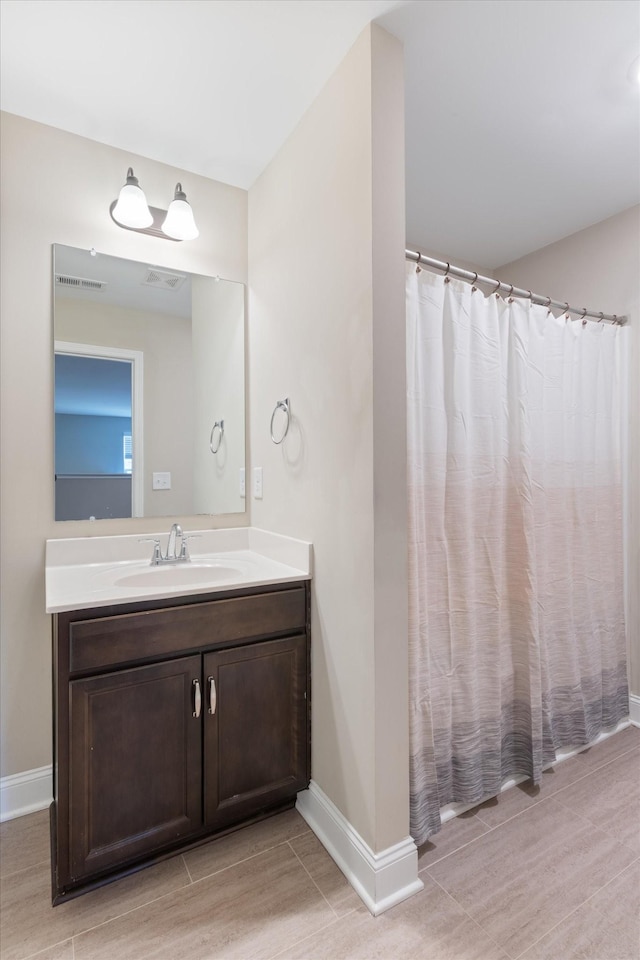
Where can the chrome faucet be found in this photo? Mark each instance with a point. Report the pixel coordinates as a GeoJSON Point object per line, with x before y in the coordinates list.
{"type": "Point", "coordinates": [174, 533]}
{"type": "Point", "coordinates": [172, 555]}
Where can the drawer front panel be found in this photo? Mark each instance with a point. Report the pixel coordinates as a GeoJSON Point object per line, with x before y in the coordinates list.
{"type": "Point", "coordinates": [110, 641]}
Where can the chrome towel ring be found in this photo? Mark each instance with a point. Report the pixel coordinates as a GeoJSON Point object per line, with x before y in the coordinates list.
{"type": "Point", "coordinates": [286, 408]}
{"type": "Point", "coordinates": [219, 424]}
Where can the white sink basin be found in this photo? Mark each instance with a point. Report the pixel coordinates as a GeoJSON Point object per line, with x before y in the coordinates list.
{"type": "Point", "coordinates": [181, 575]}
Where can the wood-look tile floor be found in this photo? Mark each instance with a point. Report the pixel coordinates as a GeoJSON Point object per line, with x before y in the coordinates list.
{"type": "Point", "coordinates": [540, 874]}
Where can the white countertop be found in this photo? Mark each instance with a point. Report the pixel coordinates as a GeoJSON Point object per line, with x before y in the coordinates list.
{"type": "Point", "coordinates": [99, 571]}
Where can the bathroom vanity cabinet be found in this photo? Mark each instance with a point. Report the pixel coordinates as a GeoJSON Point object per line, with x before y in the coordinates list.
{"type": "Point", "coordinates": [174, 720]}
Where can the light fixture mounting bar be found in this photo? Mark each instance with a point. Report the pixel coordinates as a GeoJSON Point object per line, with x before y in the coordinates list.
{"type": "Point", "coordinates": [155, 230]}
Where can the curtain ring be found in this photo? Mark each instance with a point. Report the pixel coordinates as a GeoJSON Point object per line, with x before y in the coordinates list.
{"type": "Point", "coordinates": [497, 287]}
{"type": "Point", "coordinates": [530, 295]}
{"type": "Point", "coordinates": [584, 316]}
{"type": "Point", "coordinates": [446, 273]}
{"type": "Point", "coordinates": [510, 297]}
{"type": "Point", "coordinates": [473, 282]}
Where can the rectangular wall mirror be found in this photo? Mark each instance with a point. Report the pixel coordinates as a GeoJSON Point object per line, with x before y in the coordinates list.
{"type": "Point", "coordinates": [149, 389]}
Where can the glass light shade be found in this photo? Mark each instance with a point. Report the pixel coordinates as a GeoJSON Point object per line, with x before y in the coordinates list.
{"type": "Point", "coordinates": [633, 74]}
{"type": "Point", "coordinates": [179, 222]}
{"type": "Point", "coordinates": [131, 209]}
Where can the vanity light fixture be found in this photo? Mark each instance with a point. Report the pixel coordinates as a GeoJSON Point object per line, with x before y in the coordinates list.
{"type": "Point", "coordinates": [131, 212]}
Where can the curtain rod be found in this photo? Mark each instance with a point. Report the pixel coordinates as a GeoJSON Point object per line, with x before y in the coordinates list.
{"type": "Point", "coordinates": [513, 291]}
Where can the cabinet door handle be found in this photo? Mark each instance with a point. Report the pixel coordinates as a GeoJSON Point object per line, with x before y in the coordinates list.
{"type": "Point", "coordinates": [213, 697]}
{"type": "Point", "coordinates": [197, 699]}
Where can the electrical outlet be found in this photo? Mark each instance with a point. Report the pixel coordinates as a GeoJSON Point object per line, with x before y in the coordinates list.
{"type": "Point", "coordinates": [162, 481]}
{"type": "Point", "coordinates": [242, 483]}
{"type": "Point", "coordinates": [257, 483]}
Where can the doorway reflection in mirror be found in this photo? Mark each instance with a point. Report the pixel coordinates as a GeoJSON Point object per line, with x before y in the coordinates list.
{"type": "Point", "coordinates": [186, 332]}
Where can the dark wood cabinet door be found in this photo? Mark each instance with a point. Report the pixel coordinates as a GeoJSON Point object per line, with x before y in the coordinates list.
{"type": "Point", "coordinates": [135, 764]}
{"type": "Point", "coordinates": [256, 740]}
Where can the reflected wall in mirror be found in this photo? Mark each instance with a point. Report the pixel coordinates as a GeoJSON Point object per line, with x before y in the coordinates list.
{"type": "Point", "coordinates": [147, 360]}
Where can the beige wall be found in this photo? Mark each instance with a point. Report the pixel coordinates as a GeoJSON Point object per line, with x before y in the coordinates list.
{"type": "Point", "coordinates": [218, 322]}
{"type": "Point", "coordinates": [56, 188]}
{"type": "Point", "coordinates": [600, 268]}
{"type": "Point", "coordinates": [326, 329]}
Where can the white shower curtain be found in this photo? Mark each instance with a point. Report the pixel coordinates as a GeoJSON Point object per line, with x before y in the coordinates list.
{"type": "Point", "coordinates": [517, 639]}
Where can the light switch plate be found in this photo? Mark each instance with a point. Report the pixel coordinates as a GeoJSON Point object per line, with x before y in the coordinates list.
{"type": "Point", "coordinates": [257, 483]}
{"type": "Point", "coordinates": [242, 483]}
{"type": "Point", "coordinates": [162, 481]}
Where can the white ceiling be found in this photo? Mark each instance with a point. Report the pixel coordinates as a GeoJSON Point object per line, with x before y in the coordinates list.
{"type": "Point", "coordinates": [522, 123]}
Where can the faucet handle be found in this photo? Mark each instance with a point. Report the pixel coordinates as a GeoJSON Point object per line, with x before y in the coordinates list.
{"type": "Point", "coordinates": [183, 550]}
{"type": "Point", "coordinates": [157, 555]}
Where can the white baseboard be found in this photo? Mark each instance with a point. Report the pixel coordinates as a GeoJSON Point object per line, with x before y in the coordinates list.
{"type": "Point", "coordinates": [634, 709]}
{"type": "Point", "coordinates": [25, 792]}
{"type": "Point", "coordinates": [380, 879]}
